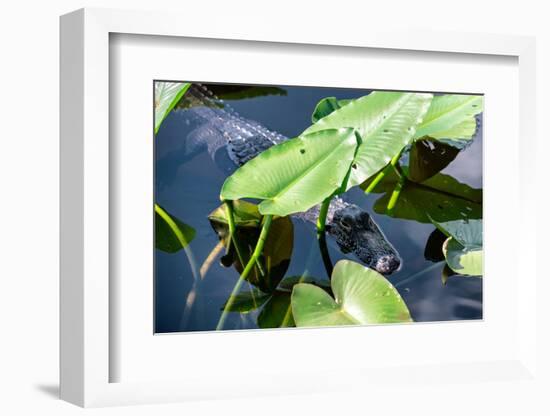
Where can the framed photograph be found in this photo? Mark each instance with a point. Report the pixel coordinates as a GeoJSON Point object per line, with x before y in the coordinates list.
{"type": "Point", "coordinates": [233, 211]}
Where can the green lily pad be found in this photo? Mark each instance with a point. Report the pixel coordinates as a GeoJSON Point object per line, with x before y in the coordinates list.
{"type": "Point", "coordinates": [295, 175]}
{"type": "Point", "coordinates": [463, 260]}
{"type": "Point", "coordinates": [464, 248]}
{"type": "Point", "coordinates": [362, 296]}
{"type": "Point", "coordinates": [171, 234]}
{"type": "Point", "coordinates": [386, 122]}
{"type": "Point", "coordinates": [167, 95]}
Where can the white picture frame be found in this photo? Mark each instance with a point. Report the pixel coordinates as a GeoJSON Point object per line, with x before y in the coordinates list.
{"type": "Point", "coordinates": [86, 301]}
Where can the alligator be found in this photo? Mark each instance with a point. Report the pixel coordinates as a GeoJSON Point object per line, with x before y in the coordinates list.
{"type": "Point", "coordinates": [226, 134]}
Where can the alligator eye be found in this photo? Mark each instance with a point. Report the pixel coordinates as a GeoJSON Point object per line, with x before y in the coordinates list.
{"type": "Point", "coordinates": [346, 223]}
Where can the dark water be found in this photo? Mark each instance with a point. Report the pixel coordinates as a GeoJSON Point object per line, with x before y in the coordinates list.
{"type": "Point", "coordinates": [188, 187]}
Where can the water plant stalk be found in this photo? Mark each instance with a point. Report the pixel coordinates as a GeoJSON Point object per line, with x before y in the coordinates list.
{"type": "Point", "coordinates": [382, 174]}
{"type": "Point", "coordinates": [181, 238]}
{"type": "Point", "coordinates": [321, 235]}
{"type": "Point", "coordinates": [249, 266]}
{"type": "Point", "coordinates": [395, 195]}
{"type": "Point", "coordinates": [233, 236]}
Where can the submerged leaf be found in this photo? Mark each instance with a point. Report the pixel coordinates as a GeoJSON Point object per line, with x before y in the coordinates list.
{"type": "Point", "coordinates": [441, 197]}
{"type": "Point", "coordinates": [171, 234]}
{"type": "Point", "coordinates": [386, 122]}
{"type": "Point", "coordinates": [295, 175]}
{"type": "Point", "coordinates": [361, 296]}
{"type": "Point", "coordinates": [167, 95]}
{"type": "Point", "coordinates": [428, 157]}
{"type": "Point", "coordinates": [277, 250]}
{"type": "Point", "coordinates": [277, 312]}
{"type": "Point", "coordinates": [239, 92]}
{"type": "Point", "coordinates": [248, 301]}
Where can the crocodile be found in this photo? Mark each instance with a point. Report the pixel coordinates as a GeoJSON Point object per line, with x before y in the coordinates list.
{"type": "Point", "coordinates": [226, 134]}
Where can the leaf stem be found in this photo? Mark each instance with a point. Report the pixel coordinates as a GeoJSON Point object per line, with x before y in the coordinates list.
{"type": "Point", "coordinates": [255, 256]}
{"type": "Point", "coordinates": [395, 195]}
{"type": "Point", "coordinates": [181, 238]}
{"type": "Point", "coordinates": [321, 235]}
{"type": "Point", "coordinates": [233, 235]}
{"type": "Point", "coordinates": [382, 174]}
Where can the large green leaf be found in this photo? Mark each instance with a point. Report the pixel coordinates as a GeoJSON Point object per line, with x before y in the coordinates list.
{"type": "Point", "coordinates": [464, 248]}
{"type": "Point", "coordinates": [167, 95]}
{"type": "Point", "coordinates": [452, 118]}
{"type": "Point", "coordinates": [277, 250]}
{"type": "Point", "coordinates": [386, 122]}
{"type": "Point", "coordinates": [297, 174]}
{"type": "Point", "coordinates": [362, 296]}
{"type": "Point", "coordinates": [171, 234]}
{"type": "Point", "coordinates": [428, 157]}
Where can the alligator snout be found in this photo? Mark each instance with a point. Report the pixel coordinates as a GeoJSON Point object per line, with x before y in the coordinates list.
{"type": "Point", "coordinates": [388, 264]}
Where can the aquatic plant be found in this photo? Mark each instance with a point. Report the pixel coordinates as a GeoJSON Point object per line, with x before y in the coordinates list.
{"type": "Point", "coordinates": [360, 142]}
{"type": "Point", "coordinates": [171, 234]}
{"type": "Point", "coordinates": [361, 296]}
{"type": "Point", "coordinates": [463, 249]}
{"type": "Point", "coordinates": [167, 95]}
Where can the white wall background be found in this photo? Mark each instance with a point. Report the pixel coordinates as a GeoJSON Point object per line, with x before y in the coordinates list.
{"type": "Point", "coordinates": [29, 183]}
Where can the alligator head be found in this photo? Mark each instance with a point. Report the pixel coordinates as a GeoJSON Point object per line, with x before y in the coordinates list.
{"type": "Point", "coordinates": [355, 231]}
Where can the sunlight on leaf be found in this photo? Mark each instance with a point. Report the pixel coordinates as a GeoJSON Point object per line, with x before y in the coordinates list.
{"type": "Point", "coordinates": [451, 118]}
{"type": "Point", "coordinates": [386, 122]}
{"type": "Point", "coordinates": [361, 296]}
{"type": "Point", "coordinates": [295, 175]}
{"type": "Point", "coordinates": [167, 95]}
{"type": "Point", "coordinates": [464, 248]}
